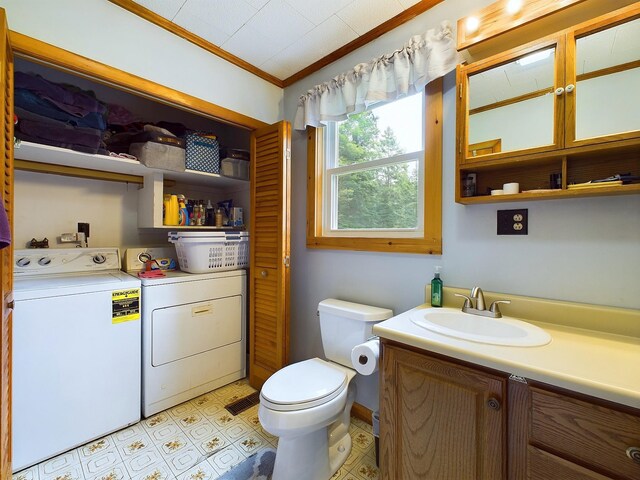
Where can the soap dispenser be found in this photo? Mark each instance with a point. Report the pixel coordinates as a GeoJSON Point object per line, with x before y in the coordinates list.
{"type": "Point", "coordinates": [436, 288]}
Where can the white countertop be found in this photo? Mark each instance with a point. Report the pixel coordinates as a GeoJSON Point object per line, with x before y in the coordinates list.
{"type": "Point", "coordinates": [599, 364]}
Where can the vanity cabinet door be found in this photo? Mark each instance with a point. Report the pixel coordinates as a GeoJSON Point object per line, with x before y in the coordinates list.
{"type": "Point", "coordinates": [553, 435]}
{"type": "Point", "coordinates": [603, 74]}
{"type": "Point", "coordinates": [439, 420]}
{"type": "Point", "coordinates": [509, 103]}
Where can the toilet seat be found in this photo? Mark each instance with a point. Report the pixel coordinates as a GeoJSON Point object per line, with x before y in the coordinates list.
{"type": "Point", "coordinates": [303, 385]}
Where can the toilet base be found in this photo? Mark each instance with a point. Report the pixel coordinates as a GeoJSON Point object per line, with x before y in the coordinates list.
{"type": "Point", "coordinates": [314, 458]}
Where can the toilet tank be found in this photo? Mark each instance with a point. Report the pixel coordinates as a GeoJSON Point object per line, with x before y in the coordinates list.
{"type": "Point", "coordinates": [344, 325]}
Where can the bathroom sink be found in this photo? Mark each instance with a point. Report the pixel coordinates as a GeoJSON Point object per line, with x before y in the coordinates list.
{"type": "Point", "coordinates": [495, 331]}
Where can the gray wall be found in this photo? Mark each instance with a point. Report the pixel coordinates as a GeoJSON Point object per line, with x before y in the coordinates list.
{"type": "Point", "coordinates": [581, 250]}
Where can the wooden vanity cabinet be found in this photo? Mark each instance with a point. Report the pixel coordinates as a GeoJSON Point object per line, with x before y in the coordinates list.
{"type": "Point", "coordinates": [555, 434]}
{"type": "Point", "coordinates": [557, 108]}
{"type": "Point", "coordinates": [440, 420]}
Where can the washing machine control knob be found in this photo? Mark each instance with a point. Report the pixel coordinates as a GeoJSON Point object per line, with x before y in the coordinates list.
{"type": "Point", "coordinates": [23, 262]}
{"type": "Point", "coordinates": [44, 261]}
{"type": "Point", "coordinates": [99, 258]}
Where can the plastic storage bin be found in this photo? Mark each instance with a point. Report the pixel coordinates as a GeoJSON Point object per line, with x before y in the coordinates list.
{"type": "Point", "coordinates": [235, 168]}
{"type": "Point", "coordinates": [204, 252]}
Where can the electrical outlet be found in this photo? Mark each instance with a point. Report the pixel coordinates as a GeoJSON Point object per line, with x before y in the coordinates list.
{"type": "Point", "coordinates": [513, 222]}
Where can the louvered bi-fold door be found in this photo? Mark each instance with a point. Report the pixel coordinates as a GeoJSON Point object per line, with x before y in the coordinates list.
{"type": "Point", "coordinates": [6, 254]}
{"type": "Point", "coordinates": [269, 245]}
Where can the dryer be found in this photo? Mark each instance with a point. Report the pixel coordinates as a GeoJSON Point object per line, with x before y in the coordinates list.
{"type": "Point", "coordinates": [193, 332]}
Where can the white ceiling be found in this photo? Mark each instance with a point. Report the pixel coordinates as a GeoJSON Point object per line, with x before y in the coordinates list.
{"type": "Point", "coordinates": [281, 37]}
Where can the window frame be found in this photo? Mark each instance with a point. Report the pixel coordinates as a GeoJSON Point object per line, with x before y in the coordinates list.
{"type": "Point", "coordinates": [431, 240]}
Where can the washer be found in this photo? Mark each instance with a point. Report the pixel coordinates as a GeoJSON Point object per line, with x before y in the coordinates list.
{"type": "Point", "coordinates": [193, 332]}
{"type": "Point", "coordinates": [76, 350]}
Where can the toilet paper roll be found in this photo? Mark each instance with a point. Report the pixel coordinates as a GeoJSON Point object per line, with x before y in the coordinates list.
{"type": "Point", "coordinates": [365, 357]}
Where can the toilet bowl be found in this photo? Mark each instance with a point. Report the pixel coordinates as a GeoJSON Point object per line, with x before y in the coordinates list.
{"type": "Point", "coordinates": [300, 417]}
{"type": "Point", "coordinates": [308, 404]}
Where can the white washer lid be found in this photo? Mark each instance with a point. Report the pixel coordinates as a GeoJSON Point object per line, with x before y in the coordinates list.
{"type": "Point", "coordinates": [309, 381]}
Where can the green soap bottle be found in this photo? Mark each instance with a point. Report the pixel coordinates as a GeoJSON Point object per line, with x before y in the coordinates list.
{"type": "Point", "coordinates": [436, 289]}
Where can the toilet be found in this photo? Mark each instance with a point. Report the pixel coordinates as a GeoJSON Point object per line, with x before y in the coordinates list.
{"type": "Point", "coordinates": [308, 404]}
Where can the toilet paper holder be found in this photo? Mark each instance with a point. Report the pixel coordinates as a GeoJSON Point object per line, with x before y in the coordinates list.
{"type": "Point", "coordinates": [363, 359]}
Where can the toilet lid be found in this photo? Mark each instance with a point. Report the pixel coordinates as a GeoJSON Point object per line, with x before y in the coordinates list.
{"type": "Point", "coordinates": [304, 385]}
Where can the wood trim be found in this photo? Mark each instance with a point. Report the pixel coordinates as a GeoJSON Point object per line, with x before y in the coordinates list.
{"type": "Point", "coordinates": [630, 11]}
{"type": "Point", "coordinates": [431, 242]}
{"type": "Point", "coordinates": [45, 53]}
{"type": "Point", "coordinates": [509, 101]}
{"type": "Point", "coordinates": [39, 167]}
{"type": "Point", "coordinates": [176, 29]}
{"type": "Point", "coordinates": [6, 254]}
{"type": "Point", "coordinates": [361, 412]}
{"type": "Point", "coordinates": [494, 21]}
{"type": "Point", "coordinates": [401, 18]}
{"type": "Point", "coordinates": [579, 13]}
{"type": "Point", "coordinates": [608, 71]}
{"type": "Point", "coordinates": [510, 158]}
{"type": "Point", "coordinates": [633, 189]}
{"type": "Point", "coordinates": [518, 416]}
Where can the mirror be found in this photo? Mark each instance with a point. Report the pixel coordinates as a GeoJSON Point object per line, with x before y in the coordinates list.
{"type": "Point", "coordinates": [607, 80]}
{"type": "Point", "coordinates": [511, 106]}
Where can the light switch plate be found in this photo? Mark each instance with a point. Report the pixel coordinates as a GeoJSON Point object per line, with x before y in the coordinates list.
{"type": "Point", "coordinates": [513, 222]}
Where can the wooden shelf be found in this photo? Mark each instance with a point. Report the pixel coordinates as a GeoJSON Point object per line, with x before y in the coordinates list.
{"type": "Point", "coordinates": [102, 163]}
{"type": "Point", "coordinates": [556, 194]}
{"type": "Point", "coordinates": [207, 228]}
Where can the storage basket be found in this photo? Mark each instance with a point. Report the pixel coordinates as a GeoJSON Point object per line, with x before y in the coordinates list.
{"type": "Point", "coordinates": [203, 252]}
{"type": "Point", "coordinates": [202, 153]}
{"type": "Point", "coordinates": [234, 168]}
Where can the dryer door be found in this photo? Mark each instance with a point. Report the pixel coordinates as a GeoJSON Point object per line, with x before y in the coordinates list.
{"type": "Point", "coordinates": [185, 330]}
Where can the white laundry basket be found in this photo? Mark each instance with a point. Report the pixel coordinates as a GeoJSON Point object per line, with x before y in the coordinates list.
{"type": "Point", "coordinates": [204, 252]}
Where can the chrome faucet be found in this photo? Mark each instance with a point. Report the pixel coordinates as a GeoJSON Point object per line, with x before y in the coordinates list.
{"type": "Point", "coordinates": [480, 308]}
{"type": "Point", "coordinates": [476, 292]}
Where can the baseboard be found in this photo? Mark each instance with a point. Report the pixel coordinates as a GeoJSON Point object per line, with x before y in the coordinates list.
{"type": "Point", "coordinates": [361, 412]}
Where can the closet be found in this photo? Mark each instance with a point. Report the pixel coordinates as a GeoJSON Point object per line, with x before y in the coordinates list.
{"type": "Point", "coordinates": [266, 199]}
{"type": "Point", "coordinates": [153, 182]}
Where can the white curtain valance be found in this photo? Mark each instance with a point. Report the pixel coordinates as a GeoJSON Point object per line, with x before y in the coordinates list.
{"type": "Point", "coordinates": [403, 72]}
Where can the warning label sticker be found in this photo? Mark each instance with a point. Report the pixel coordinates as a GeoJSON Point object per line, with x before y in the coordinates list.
{"type": "Point", "coordinates": [125, 305]}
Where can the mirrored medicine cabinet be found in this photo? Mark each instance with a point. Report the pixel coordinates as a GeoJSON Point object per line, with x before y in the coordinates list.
{"type": "Point", "coordinates": [553, 114]}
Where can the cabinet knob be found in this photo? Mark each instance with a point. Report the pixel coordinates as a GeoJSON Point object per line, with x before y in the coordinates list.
{"type": "Point", "coordinates": [559, 91]}
{"type": "Point", "coordinates": [570, 88]}
{"type": "Point", "coordinates": [493, 403]}
{"type": "Point", "coordinates": [634, 454]}
{"type": "Point", "coordinates": [264, 273]}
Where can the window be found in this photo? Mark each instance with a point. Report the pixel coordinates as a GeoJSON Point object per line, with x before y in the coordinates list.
{"type": "Point", "coordinates": [374, 179]}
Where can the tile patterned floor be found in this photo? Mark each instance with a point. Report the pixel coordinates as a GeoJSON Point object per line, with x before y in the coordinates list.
{"type": "Point", "coordinates": [172, 445]}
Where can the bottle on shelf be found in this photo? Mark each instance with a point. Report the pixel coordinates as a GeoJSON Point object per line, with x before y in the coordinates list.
{"type": "Point", "coordinates": [165, 208]}
{"type": "Point", "coordinates": [183, 214]}
{"type": "Point", "coordinates": [171, 213]}
{"type": "Point", "coordinates": [436, 288]}
{"type": "Point", "coordinates": [209, 216]}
